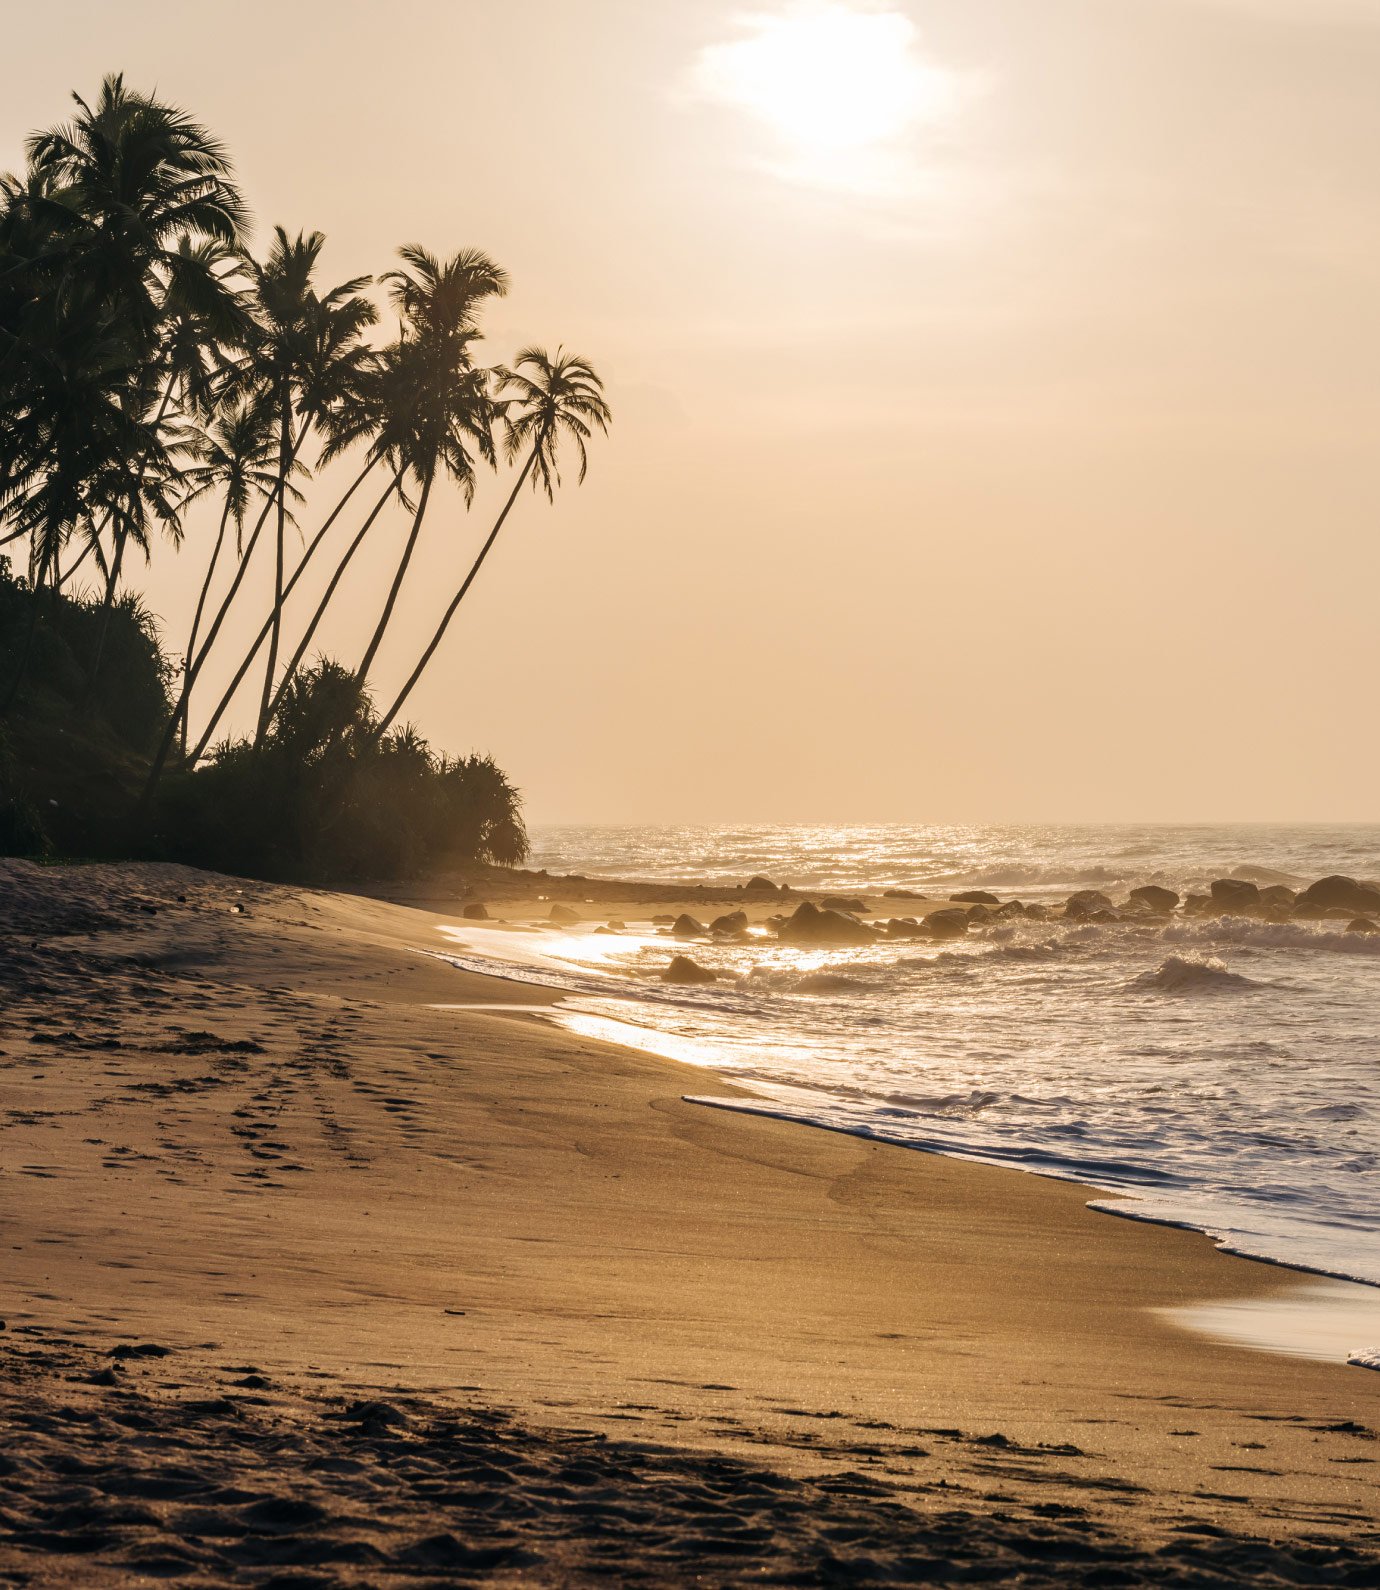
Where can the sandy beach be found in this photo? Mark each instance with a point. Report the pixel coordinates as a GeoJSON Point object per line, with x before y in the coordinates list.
{"type": "Point", "coordinates": [316, 1276]}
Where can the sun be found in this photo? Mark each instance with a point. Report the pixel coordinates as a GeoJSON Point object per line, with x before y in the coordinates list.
{"type": "Point", "coordinates": [828, 78]}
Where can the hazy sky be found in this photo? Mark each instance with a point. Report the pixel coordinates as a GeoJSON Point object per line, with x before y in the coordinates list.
{"type": "Point", "coordinates": [997, 383]}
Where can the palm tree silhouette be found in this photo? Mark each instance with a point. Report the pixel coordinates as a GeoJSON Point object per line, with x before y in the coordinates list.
{"type": "Point", "coordinates": [237, 454]}
{"type": "Point", "coordinates": [440, 412]}
{"type": "Point", "coordinates": [546, 399]}
{"type": "Point", "coordinates": [138, 178]}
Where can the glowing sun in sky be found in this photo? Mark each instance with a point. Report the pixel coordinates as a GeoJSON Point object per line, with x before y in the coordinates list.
{"type": "Point", "coordinates": [829, 79]}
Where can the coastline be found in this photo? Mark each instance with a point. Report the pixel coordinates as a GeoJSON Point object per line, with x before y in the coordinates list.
{"type": "Point", "coordinates": [325, 1168]}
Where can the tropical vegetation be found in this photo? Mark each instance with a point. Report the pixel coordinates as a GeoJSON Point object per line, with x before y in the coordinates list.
{"type": "Point", "coordinates": [151, 362]}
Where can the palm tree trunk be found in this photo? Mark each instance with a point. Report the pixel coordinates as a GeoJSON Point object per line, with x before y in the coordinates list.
{"type": "Point", "coordinates": [200, 609]}
{"type": "Point", "coordinates": [276, 617]}
{"type": "Point", "coordinates": [362, 672]}
{"type": "Point", "coordinates": [179, 710]}
{"type": "Point", "coordinates": [259, 639]}
{"type": "Point", "coordinates": [291, 670]}
{"type": "Point", "coordinates": [385, 723]}
{"type": "Point", "coordinates": [59, 580]}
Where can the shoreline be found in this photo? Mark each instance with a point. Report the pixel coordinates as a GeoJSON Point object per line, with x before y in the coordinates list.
{"type": "Point", "coordinates": [1121, 1202]}
{"type": "Point", "coordinates": [266, 1144]}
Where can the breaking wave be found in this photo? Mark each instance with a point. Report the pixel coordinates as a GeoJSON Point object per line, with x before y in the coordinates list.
{"type": "Point", "coordinates": [1182, 975]}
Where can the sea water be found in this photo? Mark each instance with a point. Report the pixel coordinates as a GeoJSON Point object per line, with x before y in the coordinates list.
{"type": "Point", "coordinates": [1221, 1074]}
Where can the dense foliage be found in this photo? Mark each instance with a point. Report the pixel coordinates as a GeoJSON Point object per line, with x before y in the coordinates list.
{"type": "Point", "coordinates": [149, 360]}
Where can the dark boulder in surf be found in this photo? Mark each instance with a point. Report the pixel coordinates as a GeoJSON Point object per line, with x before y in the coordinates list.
{"type": "Point", "coordinates": [951, 923]}
{"type": "Point", "coordinates": [475, 913]}
{"type": "Point", "coordinates": [810, 925]}
{"type": "Point", "coordinates": [686, 973]}
{"type": "Point", "coordinates": [1235, 896]}
{"type": "Point", "coordinates": [1153, 898]}
{"type": "Point", "coordinates": [1338, 893]}
{"type": "Point", "coordinates": [975, 897]}
{"type": "Point", "coordinates": [1278, 898]}
{"type": "Point", "coordinates": [734, 922]}
{"type": "Point", "coordinates": [686, 927]}
{"type": "Point", "coordinates": [843, 902]}
{"type": "Point", "coordinates": [1363, 924]}
{"type": "Point", "coordinates": [1085, 902]}
{"type": "Point", "coordinates": [905, 928]}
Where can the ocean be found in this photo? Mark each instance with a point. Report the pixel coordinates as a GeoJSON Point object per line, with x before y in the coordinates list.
{"type": "Point", "coordinates": [1220, 1074]}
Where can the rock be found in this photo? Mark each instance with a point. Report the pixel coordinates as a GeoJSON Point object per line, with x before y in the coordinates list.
{"type": "Point", "coordinates": [810, 925]}
{"type": "Point", "coordinates": [950, 923]}
{"type": "Point", "coordinates": [903, 894]}
{"type": "Point", "coordinates": [1153, 898]}
{"type": "Point", "coordinates": [687, 973]}
{"type": "Point", "coordinates": [686, 927]}
{"type": "Point", "coordinates": [1197, 904]}
{"type": "Point", "coordinates": [760, 885]}
{"type": "Point", "coordinates": [1278, 898]}
{"type": "Point", "coordinates": [1010, 909]}
{"type": "Point", "coordinates": [1103, 918]}
{"type": "Point", "coordinates": [1037, 911]}
{"type": "Point", "coordinates": [978, 915]}
{"type": "Point", "coordinates": [1235, 896]}
{"type": "Point", "coordinates": [843, 902]}
{"type": "Point", "coordinates": [1336, 891]}
{"type": "Point", "coordinates": [1084, 903]}
{"type": "Point", "coordinates": [1363, 924]}
{"type": "Point", "coordinates": [975, 897]}
{"type": "Point", "coordinates": [475, 913]}
{"type": "Point", "coordinates": [825, 983]}
{"type": "Point", "coordinates": [563, 913]}
{"type": "Point", "coordinates": [734, 922]}
{"type": "Point", "coordinates": [905, 928]}
{"type": "Point", "coordinates": [615, 926]}
{"type": "Point", "coordinates": [662, 921]}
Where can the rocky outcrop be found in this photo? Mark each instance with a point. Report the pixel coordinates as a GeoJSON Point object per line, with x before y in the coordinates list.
{"type": "Point", "coordinates": [1338, 893]}
{"type": "Point", "coordinates": [760, 885]}
{"type": "Point", "coordinates": [1363, 924]}
{"type": "Point", "coordinates": [1276, 897]}
{"type": "Point", "coordinates": [950, 923]}
{"type": "Point", "coordinates": [1085, 903]}
{"type": "Point", "coordinates": [686, 927]}
{"type": "Point", "coordinates": [734, 922]}
{"type": "Point", "coordinates": [1235, 897]}
{"type": "Point", "coordinates": [474, 912]}
{"type": "Point", "coordinates": [686, 973]}
{"type": "Point", "coordinates": [843, 902]}
{"type": "Point", "coordinates": [975, 897]}
{"type": "Point", "coordinates": [811, 925]}
{"type": "Point", "coordinates": [563, 913]}
{"type": "Point", "coordinates": [905, 928]}
{"type": "Point", "coordinates": [904, 894]}
{"type": "Point", "coordinates": [1153, 898]}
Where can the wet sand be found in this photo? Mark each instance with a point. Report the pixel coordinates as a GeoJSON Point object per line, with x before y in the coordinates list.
{"type": "Point", "coordinates": [449, 1294]}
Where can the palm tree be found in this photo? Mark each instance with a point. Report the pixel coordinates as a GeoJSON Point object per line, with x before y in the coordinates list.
{"type": "Point", "coordinates": [137, 179]}
{"type": "Point", "coordinates": [306, 355]}
{"type": "Point", "coordinates": [551, 399]}
{"type": "Point", "coordinates": [442, 415]}
{"type": "Point", "coordinates": [237, 455]}
{"type": "Point", "coordinates": [309, 355]}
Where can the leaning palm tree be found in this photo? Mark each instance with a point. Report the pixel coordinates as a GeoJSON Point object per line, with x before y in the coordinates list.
{"type": "Point", "coordinates": [309, 355]}
{"type": "Point", "coordinates": [442, 412]}
{"type": "Point", "coordinates": [549, 399]}
{"type": "Point", "coordinates": [237, 456]}
{"type": "Point", "coordinates": [306, 355]}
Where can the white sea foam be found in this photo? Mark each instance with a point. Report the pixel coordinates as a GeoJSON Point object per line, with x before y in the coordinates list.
{"type": "Point", "coordinates": [1217, 1073]}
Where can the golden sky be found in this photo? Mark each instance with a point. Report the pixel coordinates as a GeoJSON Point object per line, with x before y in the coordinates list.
{"type": "Point", "coordinates": [997, 383]}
